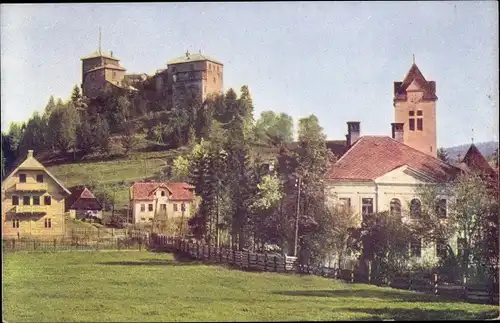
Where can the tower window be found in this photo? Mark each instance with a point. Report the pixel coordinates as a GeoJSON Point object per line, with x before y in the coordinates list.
{"type": "Point", "coordinates": [411, 113]}
{"type": "Point", "coordinates": [419, 113]}
{"type": "Point", "coordinates": [412, 124]}
{"type": "Point", "coordinates": [420, 124]}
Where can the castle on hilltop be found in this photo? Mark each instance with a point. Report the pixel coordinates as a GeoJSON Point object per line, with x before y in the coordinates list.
{"type": "Point", "coordinates": [193, 73]}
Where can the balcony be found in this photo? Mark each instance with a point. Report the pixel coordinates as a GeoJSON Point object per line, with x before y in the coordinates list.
{"type": "Point", "coordinates": [30, 209]}
{"type": "Point", "coordinates": [32, 187]}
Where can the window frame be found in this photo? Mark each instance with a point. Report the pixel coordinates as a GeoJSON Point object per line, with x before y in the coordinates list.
{"type": "Point", "coordinates": [176, 209]}
{"type": "Point", "coordinates": [47, 198]}
{"type": "Point", "coordinates": [15, 223]}
{"type": "Point", "coordinates": [395, 207]}
{"type": "Point", "coordinates": [36, 200]}
{"type": "Point", "coordinates": [411, 124]}
{"type": "Point", "coordinates": [150, 207]}
{"type": "Point", "coordinates": [22, 178]}
{"type": "Point", "coordinates": [420, 124]}
{"type": "Point", "coordinates": [416, 248]}
{"type": "Point", "coordinates": [48, 223]}
{"type": "Point", "coordinates": [24, 200]}
{"type": "Point", "coordinates": [441, 208]}
{"type": "Point", "coordinates": [441, 250]}
{"type": "Point", "coordinates": [415, 207]}
{"type": "Point", "coordinates": [15, 200]}
{"type": "Point", "coordinates": [143, 207]}
{"type": "Point", "coordinates": [163, 193]}
{"type": "Point", "coordinates": [364, 205]}
{"type": "Point", "coordinates": [38, 177]}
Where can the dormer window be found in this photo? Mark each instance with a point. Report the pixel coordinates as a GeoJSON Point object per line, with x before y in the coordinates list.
{"type": "Point", "coordinates": [22, 178]}
{"type": "Point", "coordinates": [162, 193]}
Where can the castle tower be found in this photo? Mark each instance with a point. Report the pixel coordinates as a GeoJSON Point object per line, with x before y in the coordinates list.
{"type": "Point", "coordinates": [415, 106]}
{"type": "Point", "coordinates": [195, 73]}
{"type": "Point", "coordinates": [100, 71]}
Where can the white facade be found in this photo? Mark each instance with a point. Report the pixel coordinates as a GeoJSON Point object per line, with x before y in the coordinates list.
{"type": "Point", "coordinates": [143, 211]}
{"type": "Point", "coordinates": [401, 183]}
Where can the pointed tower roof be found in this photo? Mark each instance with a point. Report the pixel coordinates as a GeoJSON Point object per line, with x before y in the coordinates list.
{"type": "Point", "coordinates": [414, 80]}
{"type": "Point", "coordinates": [475, 161]}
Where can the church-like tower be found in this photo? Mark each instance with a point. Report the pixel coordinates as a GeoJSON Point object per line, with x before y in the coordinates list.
{"type": "Point", "coordinates": [415, 106]}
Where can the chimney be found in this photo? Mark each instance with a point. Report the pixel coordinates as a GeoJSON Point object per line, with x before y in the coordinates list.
{"type": "Point", "coordinates": [353, 132]}
{"type": "Point", "coordinates": [397, 131]}
{"type": "Point", "coordinates": [30, 153]}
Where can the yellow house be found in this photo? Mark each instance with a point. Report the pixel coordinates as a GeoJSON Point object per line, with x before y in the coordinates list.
{"type": "Point", "coordinates": [32, 202]}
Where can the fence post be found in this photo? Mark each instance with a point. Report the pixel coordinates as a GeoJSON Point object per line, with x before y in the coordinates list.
{"type": "Point", "coordinates": [55, 241]}
{"type": "Point", "coordinates": [275, 264]}
{"type": "Point", "coordinates": [435, 284]}
{"type": "Point", "coordinates": [352, 276]}
{"type": "Point", "coordinates": [197, 250]}
{"type": "Point", "coordinates": [411, 282]}
{"type": "Point", "coordinates": [369, 272]}
{"type": "Point", "coordinates": [140, 243]}
{"type": "Point", "coordinates": [265, 260]}
{"type": "Point", "coordinates": [336, 273]}
{"type": "Point", "coordinates": [34, 244]}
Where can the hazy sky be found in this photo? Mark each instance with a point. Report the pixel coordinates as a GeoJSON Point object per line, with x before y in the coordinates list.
{"type": "Point", "coordinates": [337, 60]}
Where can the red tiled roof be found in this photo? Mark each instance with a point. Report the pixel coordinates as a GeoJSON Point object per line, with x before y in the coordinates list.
{"type": "Point", "coordinates": [179, 191]}
{"type": "Point", "coordinates": [373, 156]}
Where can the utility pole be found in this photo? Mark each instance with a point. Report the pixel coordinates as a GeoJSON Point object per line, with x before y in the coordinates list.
{"type": "Point", "coordinates": [299, 182]}
{"type": "Point", "coordinates": [183, 209]}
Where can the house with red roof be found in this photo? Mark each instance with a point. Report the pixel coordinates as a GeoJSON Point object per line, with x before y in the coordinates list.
{"type": "Point", "coordinates": [82, 203]}
{"type": "Point", "coordinates": [160, 201]}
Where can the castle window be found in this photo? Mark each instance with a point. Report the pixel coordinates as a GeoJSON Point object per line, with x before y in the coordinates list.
{"type": "Point", "coordinates": [15, 223]}
{"type": "Point", "coordinates": [36, 200]}
{"type": "Point", "coordinates": [15, 200]}
{"type": "Point", "coordinates": [26, 200]}
{"type": "Point", "coordinates": [22, 178]}
{"type": "Point", "coordinates": [412, 124]}
{"type": "Point", "coordinates": [48, 223]}
{"type": "Point", "coordinates": [47, 200]}
{"type": "Point", "coordinates": [420, 124]}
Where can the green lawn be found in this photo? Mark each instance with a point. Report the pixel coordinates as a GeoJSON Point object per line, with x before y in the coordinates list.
{"type": "Point", "coordinates": [145, 287]}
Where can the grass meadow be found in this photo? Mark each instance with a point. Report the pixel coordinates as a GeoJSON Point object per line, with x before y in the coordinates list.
{"type": "Point", "coordinates": [137, 286]}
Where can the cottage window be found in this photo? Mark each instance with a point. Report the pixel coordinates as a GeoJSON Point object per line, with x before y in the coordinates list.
{"type": "Point", "coordinates": [367, 207]}
{"type": "Point", "coordinates": [150, 207]}
{"type": "Point", "coordinates": [415, 208]}
{"type": "Point", "coordinates": [47, 200]}
{"type": "Point", "coordinates": [183, 207]}
{"type": "Point", "coordinates": [395, 208]}
{"type": "Point", "coordinates": [26, 200]}
{"type": "Point", "coordinates": [143, 207]}
{"type": "Point", "coordinates": [22, 178]}
{"type": "Point", "coordinates": [15, 200]}
{"type": "Point", "coordinates": [162, 193]}
{"type": "Point", "coordinates": [441, 248]}
{"type": "Point", "coordinates": [416, 248]}
{"type": "Point", "coordinates": [36, 200]}
{"type": "Point", "coordinates": [39, 178]}
{"type": "Point", "coordinates": [15, 223]}
{"type": "Point", "coordinates": [48, 223]}
{"type": "Point", "coordinates": [441, 208]}
{"type": "Point", "coordinates": [163, 207]}
{"type": "Point", "coordinates": [175, 207]}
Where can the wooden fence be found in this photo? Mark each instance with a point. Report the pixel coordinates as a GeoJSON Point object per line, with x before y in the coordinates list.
{"type": "Point", "coordinates": [248, 260]}
{"type": "Point", "coordinates": [65, 244]}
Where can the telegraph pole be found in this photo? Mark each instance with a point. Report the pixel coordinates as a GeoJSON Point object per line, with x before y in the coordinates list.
{"type": "Point", "coordinates": [299, 182]}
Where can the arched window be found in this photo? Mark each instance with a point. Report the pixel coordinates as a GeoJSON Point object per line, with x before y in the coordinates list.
{"type": "Point", "coordinates": [395, 207]}
{"type": "Point", "coordinates": [415, 208]}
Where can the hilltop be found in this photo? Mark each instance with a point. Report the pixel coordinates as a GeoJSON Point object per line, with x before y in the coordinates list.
{"type": "Point", "coordinates": [486, 148]}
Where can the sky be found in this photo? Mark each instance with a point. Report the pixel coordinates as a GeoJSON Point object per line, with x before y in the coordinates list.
{"type": "Point", "coordinates": [337, 60]}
